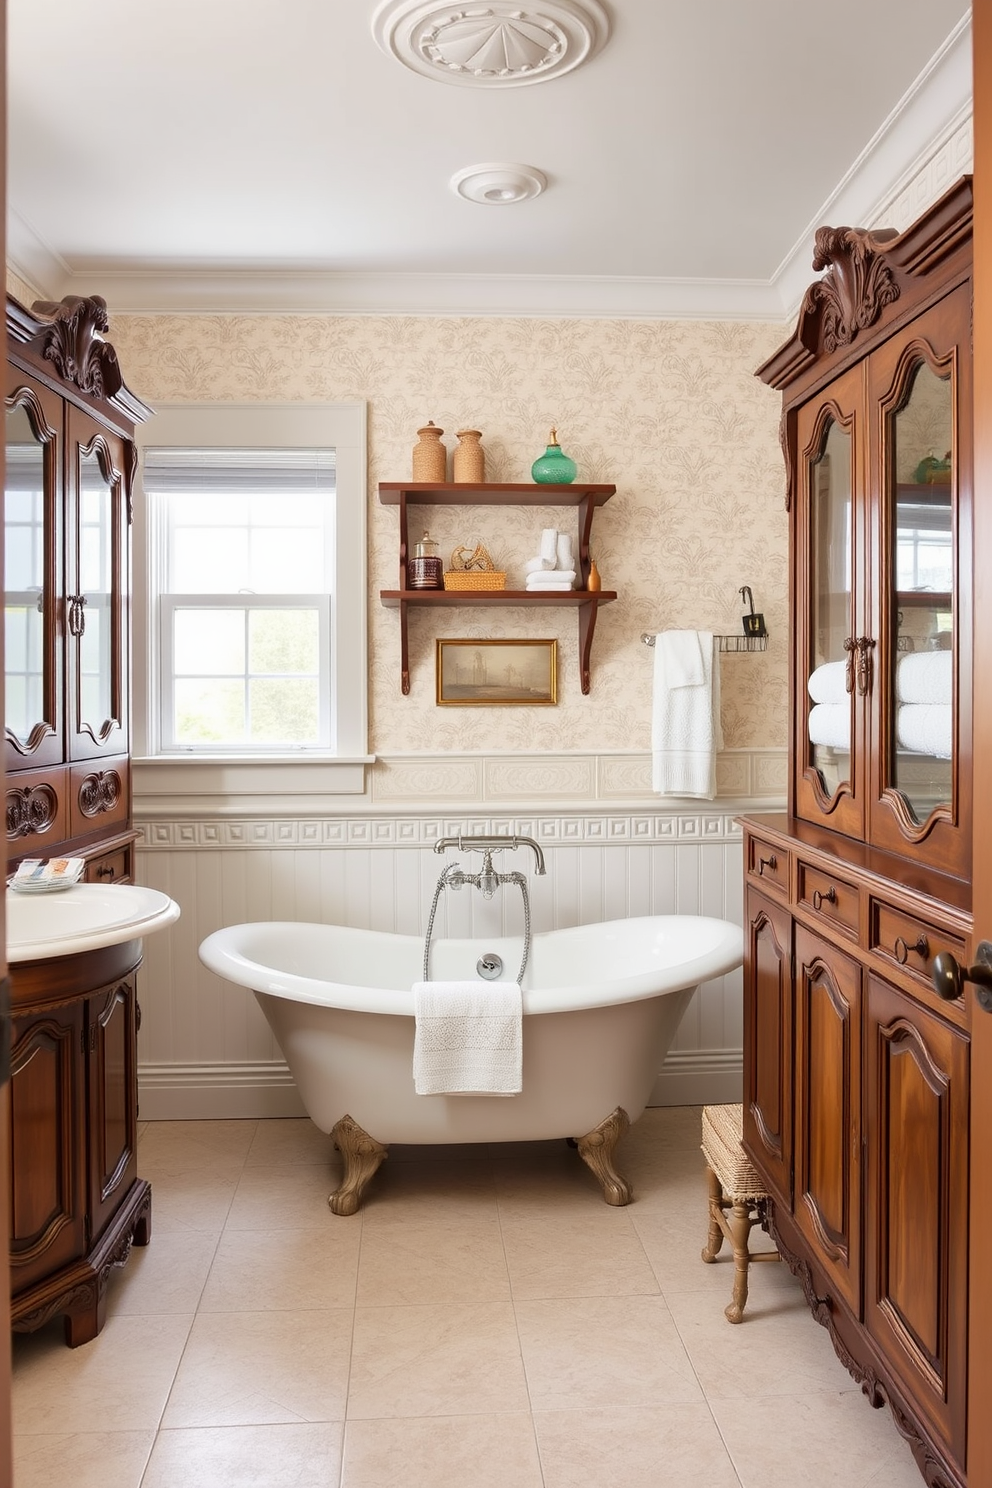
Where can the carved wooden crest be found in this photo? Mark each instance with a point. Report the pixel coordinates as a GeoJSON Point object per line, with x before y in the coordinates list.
{"type": "Point", "coordinates": [853, 294]}
{"type": "Point", "coordinates": [73, 342]}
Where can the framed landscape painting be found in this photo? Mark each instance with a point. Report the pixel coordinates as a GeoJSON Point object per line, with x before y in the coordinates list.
{"type": "Point", "coordinates": [495, 674]}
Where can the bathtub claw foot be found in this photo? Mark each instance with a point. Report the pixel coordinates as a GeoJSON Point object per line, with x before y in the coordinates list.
{"type": "Point", "coordinates": [363, 1156]}
{"type": "Point", "coordinates": [596, 1150]}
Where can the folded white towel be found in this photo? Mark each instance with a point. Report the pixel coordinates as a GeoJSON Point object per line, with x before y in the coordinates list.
{"type": "Point", "coordinates": [468, 1038]}
{"type": "Point", "coordinates": [553, 580]}
{"type": "Point", "coordinates": [925, 728]}
{"type": "Point", "coordinates": [549, 547]}
{"type": "Point", "coordinates": [828, 683]}
{"type": "Point", "coordinates": [830, 723]}
{"type": "Point", "coordinates": [685, 720]}
{"type": "Point", "coordinates": [925, 677]}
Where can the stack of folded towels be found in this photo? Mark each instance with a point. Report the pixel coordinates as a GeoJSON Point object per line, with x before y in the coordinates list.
{"type": "Point", "coordinates": [554, 567]}
{"type": "Point", "coordinates": [830, 716]}
{"type": "Point", "coordinates": [925, 694]}
{"type": "Point", "coordinates": [924, 698]}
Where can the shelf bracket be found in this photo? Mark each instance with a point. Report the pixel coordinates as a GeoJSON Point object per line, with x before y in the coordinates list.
{"type": "Point", "coordinates": [404, 650]}
{"type": "Point", "coordinates": [587, 627]}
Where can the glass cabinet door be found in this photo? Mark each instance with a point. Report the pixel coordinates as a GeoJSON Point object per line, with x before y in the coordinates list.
{"type": "Point", "coordinates": [31, 578]}
{"type": "Point", "coordinates": [94, 597]}
{"type": "Point", "coordinates": [829, 528]}
{"type": "Point", "coordinates": [916, 700]}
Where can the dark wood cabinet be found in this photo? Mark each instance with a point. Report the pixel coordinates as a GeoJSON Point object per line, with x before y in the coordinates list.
{"type": "Point", "coordinates": [77, 1203]}
{"type": "Point", "coordinates": [856, 1098]}
{"type": "Point", "coordinates": [70, 465]}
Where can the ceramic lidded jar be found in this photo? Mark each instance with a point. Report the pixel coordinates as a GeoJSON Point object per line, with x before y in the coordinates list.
{"type": "Point", "coordinates": [554, 467]}
{"type": "Point", "coordinates": [468, 463]}
{"type": "Point", "coordinates": [429, 455]}
{"type": "Point", "coordinates": [425, 570]}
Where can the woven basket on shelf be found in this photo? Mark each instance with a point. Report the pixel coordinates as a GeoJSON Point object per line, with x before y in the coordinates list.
{"type": "Point", "coordinates": [474, 579]}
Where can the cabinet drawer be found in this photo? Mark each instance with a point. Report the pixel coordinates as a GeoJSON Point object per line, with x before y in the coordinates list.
{"type": "Point", "coordinates": [767, 865]}
{"type": "Point", "coordinates": [906, 941]}
{"type": "Point", "coordinates": [110, 867]}
{"type": "Point", "coordinates": [99, 797]}
{"type": "Point", "coordinates": [831, 898]}
{"type": "Point", "coordinates": [36, 813]}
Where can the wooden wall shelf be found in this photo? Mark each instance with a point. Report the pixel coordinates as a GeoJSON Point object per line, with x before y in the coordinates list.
{"type": "Point", "coordinates": [584, 497]}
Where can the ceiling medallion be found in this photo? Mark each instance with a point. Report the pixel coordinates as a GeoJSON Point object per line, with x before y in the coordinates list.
{"type": "Point", "coordinates": [498, 185]}
{"type": "Point", "coordinates": [491, 46]}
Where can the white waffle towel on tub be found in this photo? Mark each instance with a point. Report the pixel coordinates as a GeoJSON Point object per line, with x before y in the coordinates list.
{"type": "Point", "coordinates": [685, 722]}
{"type": "Point", "coordinates": [468, 1039]}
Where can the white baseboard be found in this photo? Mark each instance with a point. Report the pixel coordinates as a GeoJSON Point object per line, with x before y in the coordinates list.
{"type": "Point", "coordinates": [216, 1092]}
{"type": "Point", "coordinates": [700, 1077]}
{"type": "Point", "coordinates": [245, 1092]}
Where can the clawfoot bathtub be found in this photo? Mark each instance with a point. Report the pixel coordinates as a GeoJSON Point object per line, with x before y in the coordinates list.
{"type": "Point", "coordinates": [601, 1006]}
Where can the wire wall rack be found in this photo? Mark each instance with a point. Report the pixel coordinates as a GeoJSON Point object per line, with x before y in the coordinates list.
{"type": "Point", "coordinates": [725, 643]}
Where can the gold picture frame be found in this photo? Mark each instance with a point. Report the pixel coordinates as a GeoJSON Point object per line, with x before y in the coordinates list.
{"type": "Point", "coordinates": [496, 674]}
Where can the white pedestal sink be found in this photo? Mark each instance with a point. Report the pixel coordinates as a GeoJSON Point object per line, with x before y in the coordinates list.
{"type": "Point", "coordinates": [82, 918]}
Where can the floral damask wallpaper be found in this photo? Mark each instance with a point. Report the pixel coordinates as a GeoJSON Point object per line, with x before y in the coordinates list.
{"type": "Point", "coordinates": [669, 411]}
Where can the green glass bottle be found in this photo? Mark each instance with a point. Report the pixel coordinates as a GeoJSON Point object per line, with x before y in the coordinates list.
{"type": "Point", "coordinates": [553, 468]}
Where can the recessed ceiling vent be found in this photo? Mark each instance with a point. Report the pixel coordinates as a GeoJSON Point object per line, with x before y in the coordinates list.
{"type": "Point", "coordinates": [491, 46]}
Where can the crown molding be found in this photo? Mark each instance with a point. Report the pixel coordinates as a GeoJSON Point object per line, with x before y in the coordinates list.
{"type": "Point", "coordinates": [936, 105]}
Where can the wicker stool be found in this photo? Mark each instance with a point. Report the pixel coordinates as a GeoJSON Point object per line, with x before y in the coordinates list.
{"type": "Point", "coordinates": [734, 1186]}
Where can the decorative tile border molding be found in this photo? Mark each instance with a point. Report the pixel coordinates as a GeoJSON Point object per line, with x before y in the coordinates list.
{"type": "Point", "coordinates": [420, 832]}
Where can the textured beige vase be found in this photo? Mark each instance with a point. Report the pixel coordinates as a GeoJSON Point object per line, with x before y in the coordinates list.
{"type": "Point", "coordinates": [468, 462]}
{"type": "Point", "coordinates": [429, 455]}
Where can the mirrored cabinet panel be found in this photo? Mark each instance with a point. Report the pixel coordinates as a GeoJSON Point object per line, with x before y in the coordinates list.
{"type": "Point", "coordinates": [32, 701]}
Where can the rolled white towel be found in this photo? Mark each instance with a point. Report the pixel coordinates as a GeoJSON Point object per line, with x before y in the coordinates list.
{"type": "Point", "coordinates": [925, 677]}
{"type": "Point", "coordinates": [830, 723]}
{"type": "Point", "coordinates": [549, 547]}
{"type": "Point", "coordinates": [925, 728]}
{"type": "Point", "coordinates": [534, 565]}
{"type": "Point", "coordinates": [828, 683]}
{"type": "Point", "coordinates": [563, 552]}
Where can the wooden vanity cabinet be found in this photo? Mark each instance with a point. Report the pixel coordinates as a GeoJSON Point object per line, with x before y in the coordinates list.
{"type": "Point", "coordinates": [857, 1075]}
{"type": "Point", "coordinates": [70, 466]}
{"type": "Point", "coordinates": [77, 1203]}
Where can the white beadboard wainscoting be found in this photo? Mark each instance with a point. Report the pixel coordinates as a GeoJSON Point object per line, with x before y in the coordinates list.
{"type": "Point", "coordinates": [205, 1049]}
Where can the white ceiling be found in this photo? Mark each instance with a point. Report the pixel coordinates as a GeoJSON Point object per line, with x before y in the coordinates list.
{"type": "Point", "coordinates": [225, 154]}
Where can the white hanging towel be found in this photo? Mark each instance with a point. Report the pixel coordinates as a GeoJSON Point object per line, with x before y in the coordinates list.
{"type": "Point", "coordinates": [685, 721]}
{"type": "Point", "coordinates": [468, 1038]}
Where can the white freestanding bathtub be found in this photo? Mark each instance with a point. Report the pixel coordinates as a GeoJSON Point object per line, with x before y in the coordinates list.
{"type": "Point", "coordinates": [601, 1005]}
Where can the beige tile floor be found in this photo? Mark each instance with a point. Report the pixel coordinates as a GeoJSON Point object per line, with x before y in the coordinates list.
{"type": "Point", "coordinates": [485, 1322]}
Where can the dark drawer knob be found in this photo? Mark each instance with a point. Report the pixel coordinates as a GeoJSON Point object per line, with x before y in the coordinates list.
{"type": "Point", "coordinates": [771, 863]}
{"type": "Point", "coordinates": [105, 871]}
{"type": "Point", "coordinates": [901, 948]}
{"type": "Point", "coordinates": [949, 978]}
{"type": "Point", "coordinates": [827, 897]}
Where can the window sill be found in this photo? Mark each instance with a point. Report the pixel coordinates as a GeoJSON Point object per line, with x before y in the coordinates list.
{"type": "Point", "coordinates": [172, 785]}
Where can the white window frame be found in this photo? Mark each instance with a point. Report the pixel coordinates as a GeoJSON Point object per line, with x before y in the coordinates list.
{"type": "Point", "coordinates": [341, 426]}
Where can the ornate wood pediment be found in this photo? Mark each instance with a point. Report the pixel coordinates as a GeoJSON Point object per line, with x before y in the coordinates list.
{"type": "Point", "coordinates": [73, 342]}
{"type": "Point", "coordinates": [854, 291]}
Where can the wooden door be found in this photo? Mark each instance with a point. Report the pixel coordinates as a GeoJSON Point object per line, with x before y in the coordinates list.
{"type": "Point", "coordinates": [980, 1272]}
{"type": "Point", "coordinates": [113, 1100]}
{"type": "Point", "coordinates": [768, 1057]}
{"type": "Point", "coordinates": [829, 757]}
{"type": "Point", "coordinates": [919, 804]}
{"type": "Point", "coordinates": [827, 1202]}
{"type": "Point", "coordinates": [96, 580]}
{"type": "Point", "coordinates": [48, 1181]}
{"type": "Point", "coordinates": [916, 1244]}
